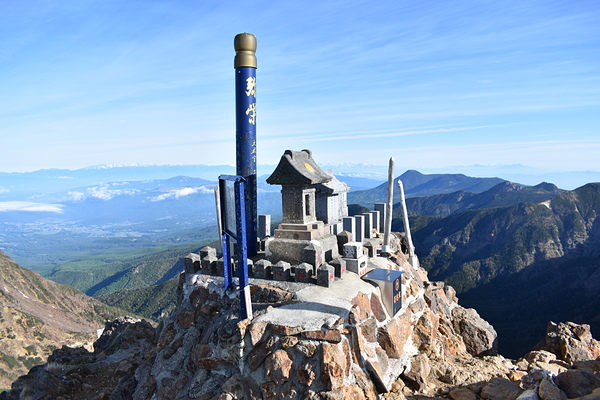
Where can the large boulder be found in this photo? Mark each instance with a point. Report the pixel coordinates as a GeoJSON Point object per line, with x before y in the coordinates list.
{"type": "Point", "coordinates": [479, 336]}
{"type": "Point", "coordinates": [570, 342]}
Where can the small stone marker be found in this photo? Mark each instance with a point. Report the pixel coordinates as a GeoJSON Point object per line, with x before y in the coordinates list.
{"type": "Point", "coordinates": [357, 265]}
{"type": "Point", "coordinates": [282, 271]}
{"type": "Point", "coordinates": [264, 226]}
{"type": "Point", "coordinates": [304, 272]}
{"type": "Point", "coordinates": [359, 220]}
{"type": "Point", "coordinates": [381, 208]}
{"type": "Point", "coordinates": [371, 249]}
{"type": "Point", "coordinates": [325, 275]}
{"type": "Point", "coordinates": [313, 254]}
{"type": "Point", "coordinates": [191, 263]}
{"type": "Point", "coordinates": [339, 265]}
{"type": "Point", "coordinates": [368, 226]}
{"type": "Point", "coordinates": [220, 266]}
{"type": "Point", "coordinates": [207, 251]}
{"type": "Point", "coordinates": [353, 250]}
{"type": "Point", "coordinates": [349, 225]}
{"type": "Point", "coordinates": [376, 219]}
{"type": "Point", "coordinates": [209, 264]}
{"type": "Point", "coordinates": [337, 228]}
{"type": "Point", "coordinates": [343, 238]}
{"type": "Point", "coordinates": [262, 269]}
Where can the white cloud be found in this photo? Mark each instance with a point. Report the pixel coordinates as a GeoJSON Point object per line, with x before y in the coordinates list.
{"type": "Point", "coordinates": [76, 196]}
{"type": "Point", "coordinates": [3, 190]}
{"type": "Point", "coordinates": [178, 193]}
{"type": "Point", "coordinates": [29, 206]}
{"type": "Point", "coordinates": [104, 193]}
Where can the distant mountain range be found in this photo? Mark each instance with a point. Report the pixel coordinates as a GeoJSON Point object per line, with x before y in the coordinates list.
{"type": "Point", "coordinates": [501, 195]}
{"type": "Point", "coordinates": [38, 316]}
{"type": "Point", "coordinates": [418, 184]}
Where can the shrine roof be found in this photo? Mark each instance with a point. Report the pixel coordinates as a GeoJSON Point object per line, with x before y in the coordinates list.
{"type": "Point", "coordinates": [298, 168]}
{"type": "Point", "coordinates": [334, 186]}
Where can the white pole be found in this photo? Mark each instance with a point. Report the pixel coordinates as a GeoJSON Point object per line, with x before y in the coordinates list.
{"type": "Point", "coordinates": [412, 258]}
{"type": "Point", "coordinates": [388, 210]}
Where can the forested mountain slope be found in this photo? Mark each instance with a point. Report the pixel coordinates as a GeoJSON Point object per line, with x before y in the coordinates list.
{"type": "Point", "coordinates": [529, 261]}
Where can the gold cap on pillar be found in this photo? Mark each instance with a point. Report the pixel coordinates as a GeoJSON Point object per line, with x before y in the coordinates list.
{"type": "Point", "coordinates": [245, 48]}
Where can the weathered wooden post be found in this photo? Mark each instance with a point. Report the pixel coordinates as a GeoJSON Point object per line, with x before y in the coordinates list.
{"type": "Point", "coordinates": [388, 212]}
{"type": "Point", "coordinates": [245, 111]}
{"type": "Point", "coordinates": [412, 258]}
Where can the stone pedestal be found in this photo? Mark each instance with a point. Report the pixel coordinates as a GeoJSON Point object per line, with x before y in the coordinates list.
{"type": "Point", "coordinates": [357, 265]}
{"type": "Point", "coordinates": [292, 251]}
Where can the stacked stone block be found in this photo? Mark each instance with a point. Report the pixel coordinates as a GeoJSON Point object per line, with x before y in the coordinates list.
{"type": "Point", "coordinates": [356, 260]}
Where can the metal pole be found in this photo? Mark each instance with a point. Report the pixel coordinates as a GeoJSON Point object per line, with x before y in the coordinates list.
{"type": "Point", "coordinates": [388, 210]}
{"type": "Point", "coordinates": [412, 258]}
{"type": "Point", "coordinates": [245, 111]}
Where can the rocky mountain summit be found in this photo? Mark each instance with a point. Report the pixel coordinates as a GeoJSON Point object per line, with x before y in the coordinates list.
{"type": "Point", "coordinates": [311, 342]}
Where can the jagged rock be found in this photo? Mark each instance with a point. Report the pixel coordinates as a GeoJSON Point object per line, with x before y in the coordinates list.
{"type": "Point", "coordinates": [71, 372]}
{"type": "Point", "coordinates": [479, 336]}
{"type": "Point", "coordinates": [377, 309]}
{"type": "Point", "coordinates": [425, 334]}
{"type": "Point", "coordinates": [364, 382]}
{"type": "Point", "coordinates": [542, 360]}
{"type": "Point", "coordinates": [501, 389]}
{"type": "Point", "coordinates": [534, 377]}
{"type": "Point", "coordinates": [394, 335]}
{"type": "Point", "coordinates": [570, 342]}
{"type": "Point", "coordinates": [539, 356]}
{"type": "Point", "coordinates": [121, 332]}
{"type": "Point", "coordinates": [278, 366]}
{"type": "Point", "coordinates": [419, 373]}
{"type": "Point", "coordinates": [595, 395]}
{"type": "Point", "coordinates": [577, 382]}
{"type": "Point", "coordinates": [333, 366]}
{"type": "Point", "coordinates": [462, 393]}
{"type": "Point", "coordinates": [307, 348]}
{"type": "Point", "coordinates": [548, 391]}
{"type": "Point", "coordinates": [307, 372]}
{"type": "Point", "coordinates": [269, 294]}
{"type": "Point", "coordinates": [260, 352]}
{"type": "Point", "coordinates": [329, 335]}
{"type": "Point", "coordinates": [287, 342]}
{"type": "Point", "coordinates": [530, 394]}
{"type": "Point", "coordinates": [349, 392]}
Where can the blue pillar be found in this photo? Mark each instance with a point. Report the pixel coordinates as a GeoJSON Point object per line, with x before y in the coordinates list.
{"type": "Point", "coordinates": [245, 111]}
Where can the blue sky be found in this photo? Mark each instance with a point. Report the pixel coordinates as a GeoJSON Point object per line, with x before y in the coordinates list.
{"type": "Point", "coordinates": [433, 83]}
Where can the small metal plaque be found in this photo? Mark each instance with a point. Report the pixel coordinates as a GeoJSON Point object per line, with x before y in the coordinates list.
{"type": "Point", "coordinates": [390, 284]}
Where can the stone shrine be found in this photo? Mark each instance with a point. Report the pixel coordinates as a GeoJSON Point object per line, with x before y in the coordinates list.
{"type": "Point", "coordinates": [301, 178]}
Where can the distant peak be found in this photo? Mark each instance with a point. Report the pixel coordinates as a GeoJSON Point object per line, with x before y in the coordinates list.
{"type": "Point", "coordinates": [110, 166]}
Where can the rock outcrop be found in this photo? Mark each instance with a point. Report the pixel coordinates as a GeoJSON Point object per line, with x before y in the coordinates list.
{"type": "Point", "coordinates": [310, 342]}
